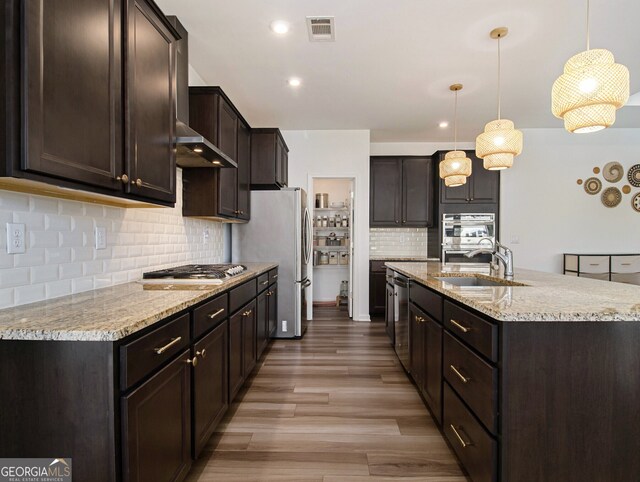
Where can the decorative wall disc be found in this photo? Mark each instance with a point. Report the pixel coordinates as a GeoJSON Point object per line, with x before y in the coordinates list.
{"type": "Point", "coordinates": [635, 202]}
{"type": "Point", "coordinates": [634, 175]}
{"type": "Point", "coordinates": [613, 171]}
{"type": "Point", "coordinates": [592, 185]}
{"type": "Point", "coordinates": [596, 170]}
{"type": "Point", "coordinates": [579, 181]}
{"type": "Point", "coordinates": [611, 197]}
{"type": "Point", "coordinates": [626, 189]}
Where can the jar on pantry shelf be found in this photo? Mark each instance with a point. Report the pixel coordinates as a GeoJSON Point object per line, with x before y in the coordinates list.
{"type": "Point", "coordinates": [324, 258]}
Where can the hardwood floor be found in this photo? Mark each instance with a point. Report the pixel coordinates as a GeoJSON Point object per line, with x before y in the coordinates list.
{"type": "Point", "coordinates": [335, 406]}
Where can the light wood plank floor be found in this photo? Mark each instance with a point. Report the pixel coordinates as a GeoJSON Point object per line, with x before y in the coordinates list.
{"type": "Point", "coordinates": [335, 406]}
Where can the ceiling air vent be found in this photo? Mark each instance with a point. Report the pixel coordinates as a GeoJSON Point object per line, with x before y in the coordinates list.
{"type": "Point", "coordinates": [321, 29]}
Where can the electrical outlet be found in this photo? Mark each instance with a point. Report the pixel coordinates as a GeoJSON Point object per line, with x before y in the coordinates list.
{"type": "Point", "coordinates": [284, 326]}
{"type": "Point", "coordinates": [205, 235]}
{"type": "Point", "coordinates": [101, 237]}
{"type": "Point", "coordinates": [16, 243]}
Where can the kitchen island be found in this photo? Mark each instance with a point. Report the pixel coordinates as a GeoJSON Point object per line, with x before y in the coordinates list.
{"type": "Point", "coordinates": [130, 381]}
{"type": "Point", "coordinates": [535, 379]}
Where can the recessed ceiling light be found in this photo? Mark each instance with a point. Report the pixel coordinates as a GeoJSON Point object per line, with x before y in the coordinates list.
{"type": "Point", "coordinates": [295, 82]}
{"type": "Point", "coordinates": [443, 124]}
{"type": "Point", "coordinates": [280, 27]}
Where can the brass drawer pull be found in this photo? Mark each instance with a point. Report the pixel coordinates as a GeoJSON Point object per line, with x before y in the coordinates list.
{"type": "Point", "coordinates": [462, 328]}
{"type": "Point", "coordinates": [269, 293]}
{"type": "Point", "coordinates": [420, 319]}
{"type": "Point", "coordinates": [460, 375]}
{"type": "Point", "coordinates": [275, 276]}
{"type": "Point", "coordinates": [161, 350]}
{"type": "Point", "coordinates": [247, 313]}
{"type": "Point", "coordinates": [265, 283]}
{"type": "Point", "coordinates": [462, 442]}
{"type": "Point", "coordinates": [213, 315]}
{"type": "Point", "coordinates": [193, 361]}
{"type": "Point", "coordinates": [202, 353]}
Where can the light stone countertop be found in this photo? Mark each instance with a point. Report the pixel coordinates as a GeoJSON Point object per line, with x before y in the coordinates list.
{"type": "Point", "coordinates": [547, 297]}
{"type": "Point", "coordinates": [108, 314]}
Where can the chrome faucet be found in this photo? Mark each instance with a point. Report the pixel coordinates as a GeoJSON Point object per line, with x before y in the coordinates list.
{"type": "Point", "coordinates": [506, 256]}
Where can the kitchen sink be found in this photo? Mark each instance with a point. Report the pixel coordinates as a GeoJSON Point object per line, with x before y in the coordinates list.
{"type": "Point", "coordinates": [476, 281]}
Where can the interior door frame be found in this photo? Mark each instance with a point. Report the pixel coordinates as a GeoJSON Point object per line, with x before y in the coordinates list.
{"type": "Point", "coordinates": [352, 222]}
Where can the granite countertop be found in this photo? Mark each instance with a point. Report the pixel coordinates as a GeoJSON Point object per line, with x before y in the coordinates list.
{"type": "Point", "coordinates": [546, 296]}
{"type": "Point", "coordinates": [108, 314]}
{"type": "Point", "coordinates": [379, 257]}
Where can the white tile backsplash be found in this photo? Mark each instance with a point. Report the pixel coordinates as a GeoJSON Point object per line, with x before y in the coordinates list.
{"type": "Point", "coordinates": [61, 257]}
{"type": "Point", "coordinates": [398, 241]}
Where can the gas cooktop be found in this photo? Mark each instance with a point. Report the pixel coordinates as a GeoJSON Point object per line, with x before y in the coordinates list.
{"type": "Point", "coordinates": [194, 274]}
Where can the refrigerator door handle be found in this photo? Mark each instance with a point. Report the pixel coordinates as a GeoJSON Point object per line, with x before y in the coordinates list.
{"type": "Point", "coordinates": [307, 237]}
{"type": "Point", "coordinates": [306, 283]}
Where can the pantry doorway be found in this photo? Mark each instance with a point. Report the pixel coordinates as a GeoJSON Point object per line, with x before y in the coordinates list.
{"type": "Point", "coordinates": [331, 200]}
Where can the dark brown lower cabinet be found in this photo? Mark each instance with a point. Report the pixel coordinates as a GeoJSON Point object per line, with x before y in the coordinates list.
{"type": "Point", "coordinates": [249, 337]}
{"type": "Point", "coordinates": [389, 318]}
{"type": "Point", "coordinates": [273, 310]}
{"type": "Point", "coordinates": [262, 322]}
{"type": "Point", "coordinates": [236, 362]}
{"type": "Point", "coordinates": [377, 298]}
{"type": "Point", "coordinates": [210, 385]}
{"type": "Point", "coordinates": [156, 425]}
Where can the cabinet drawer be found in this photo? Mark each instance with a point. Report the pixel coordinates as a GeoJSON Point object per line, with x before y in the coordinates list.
{"type": "Point", "coordinates": [378, 266]}
{"type": "Point", "coordinates": [263, 282]}
{"type": "Point", "coordinates": [625, 264]}
{"type": "Point", "coordinates": [630, 278]}
{"type": "Point", "coordinates": [480, 334]}
{"type": "Point", "coordinates": [594, 264]}
{"type": "Point", "coordinates": [475, 380]}
{"type": "Point", "coordinates": [427, 300]}
{"type": "Point", "coordinates": [240, 296]}
{"type": "Point", "coordinates": [140, 357]}
{"type": "Point", "coordinates": [209, 315]}
{"type": "Point", "coordinates": [473, 445]}
{"type": "Point", "coordinates": [273, 275]}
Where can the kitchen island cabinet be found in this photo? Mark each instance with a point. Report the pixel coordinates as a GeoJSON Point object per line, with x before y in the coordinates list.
{"type": "Point", "coordinates": [520, 383]}
{"type": "Point", "coordinates": [129, 394]}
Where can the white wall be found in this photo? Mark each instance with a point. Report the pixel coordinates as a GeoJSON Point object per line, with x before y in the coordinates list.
{"type": "Point", "coordinates": [542, 205]}
{"type": "Point", "coordinates": [61, 258]}
{"type": "Point", "coordinates": [338, 154]}
{"type": "Point", "coordinates": [414, 148]}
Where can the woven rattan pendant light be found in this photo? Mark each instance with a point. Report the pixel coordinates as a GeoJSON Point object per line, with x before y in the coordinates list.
{"type": "Point", "coordinates": [456, 166]}
{"type": "Point", "coordinates": [500, 142]}
{"type": "Point", "coordinates": [590, 90]}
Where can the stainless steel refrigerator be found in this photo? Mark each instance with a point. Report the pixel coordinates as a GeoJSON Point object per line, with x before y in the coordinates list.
{"type": "Point", "coordinates": [280, 231]}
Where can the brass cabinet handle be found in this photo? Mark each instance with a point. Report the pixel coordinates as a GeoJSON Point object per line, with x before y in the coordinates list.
{"type": "Point", "coordinates": [202, 353]}
{"type": "Point", "coordinates": [213, 315]}
{"type": "Point", "coordinates": [462, 328]}
{"type": "Point", "coordinates": [462, 442]}
{"type": "Point", "coordinates": [124, 179]}
{"type": "Point", "coordinates": [193, 361]}
{"type": "Point", "coordinates": [420, 319]}
{"type": "Point", "coordinates": [161, 350]}
{"type": "Point", "coordinates": [269, 293]}
{"type": "Point", "coordinates": [275, 276]}
{"type": "Point", "coordinates": [265, 283]}
{"type": "Point", "coordinates": [236, 212]}
{"type": "Point", "coordinates": [460, 375]}
{"type": "Point", "coordinates": [137, 182]}
{"type": "Point", "coordinates": [247, 313]}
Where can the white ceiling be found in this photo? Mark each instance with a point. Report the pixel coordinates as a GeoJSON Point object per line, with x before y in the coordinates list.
{"type": "Point", "coordinates": [393, 60]}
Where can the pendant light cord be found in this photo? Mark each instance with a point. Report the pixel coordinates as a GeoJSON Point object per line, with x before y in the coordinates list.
{"type": "Point", "coordinates": [498, 77]}
{"type": "Point", "coordinates": [588, 33]}
{"type": "Point", "coordinates": [455, 123]}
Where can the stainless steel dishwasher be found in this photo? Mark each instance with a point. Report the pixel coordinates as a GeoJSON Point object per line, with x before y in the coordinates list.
{"type": "Point", "coordinates": [401, 287]}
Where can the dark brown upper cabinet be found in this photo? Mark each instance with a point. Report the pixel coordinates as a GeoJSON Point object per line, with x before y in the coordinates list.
{"type": "Point", "coordinates": [269, 159]}
{"type": "Point", "coordinates": [151, 111]}
{"type": "Point", "coordinates": [401, 192]}
{"type": "Point", "coordinates": [218, 193]}
{"type": "Point", "coordinates": [482, 187]}
{"type": "Point", "coordinates": [78, 110]}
